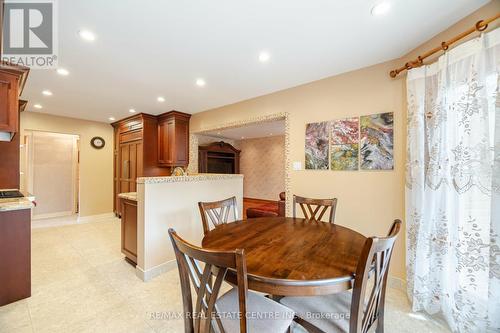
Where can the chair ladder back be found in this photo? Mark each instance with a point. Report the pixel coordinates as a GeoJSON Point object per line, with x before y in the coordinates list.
{"type": "Point", "coordinates": [315, 209]}
{"type": "Point", "coordinates": [375, 259]}
{"type": "Point", "coordinates": [206, 287]}
{"type": "Point", "coordinates": [217, 212]}
{"type": "Point", "coordinates": [202, 282]}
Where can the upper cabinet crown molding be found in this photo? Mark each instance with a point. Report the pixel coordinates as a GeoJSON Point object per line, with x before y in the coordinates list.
{"type": "Point", "coordinates": [20, 71]}
{"type": "Point", "coordinates": [129, 120]}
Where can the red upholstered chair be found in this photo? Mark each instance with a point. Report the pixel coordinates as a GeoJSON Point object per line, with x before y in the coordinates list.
{"type": "Point", "coordinates": [256, 212]}
{"type": "Point", "coordinates": [268, 210]}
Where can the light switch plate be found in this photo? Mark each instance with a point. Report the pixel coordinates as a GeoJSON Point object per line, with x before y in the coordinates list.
{"type": "Point", "coordinates": [297, 166]}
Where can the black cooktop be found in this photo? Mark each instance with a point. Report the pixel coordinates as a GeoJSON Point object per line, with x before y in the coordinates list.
{"type": "Point", "coordinates": [10, 194]}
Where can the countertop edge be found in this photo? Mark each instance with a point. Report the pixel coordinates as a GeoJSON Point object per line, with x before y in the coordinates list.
{"type": "Point", "coordinates": [128, 196]}
{"type": "Point", "coordinates": [18, 204]}
{"type": "Point", "coordinates": [183, 179]}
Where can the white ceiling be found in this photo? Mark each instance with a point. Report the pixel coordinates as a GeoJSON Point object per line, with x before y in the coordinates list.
{"type": "Point", "coordinates": [257, 130]}
{"type": "Point", "coordinates": [150, 48]}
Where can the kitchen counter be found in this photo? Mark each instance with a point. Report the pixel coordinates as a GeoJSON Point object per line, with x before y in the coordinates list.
{"type": "Point", "coordinates": [128, 195]}
{"type": "Point", "coordinates": [15, 248]}
{"type": "Point", "coordinates": [188, 178]}
{"type": "Point", "coordinates": [172, 202]}
{"type": "Point", "coordinates": [9, 204]}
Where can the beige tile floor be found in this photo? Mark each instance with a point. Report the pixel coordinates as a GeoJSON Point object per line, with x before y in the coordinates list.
{"type": "Point", "coordinates": [82, 284]}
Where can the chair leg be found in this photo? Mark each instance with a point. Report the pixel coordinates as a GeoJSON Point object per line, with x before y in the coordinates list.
{"type": "Point", "coordinates": [308, 326]}
{"type": "Point", "coordinates": [380, 323]}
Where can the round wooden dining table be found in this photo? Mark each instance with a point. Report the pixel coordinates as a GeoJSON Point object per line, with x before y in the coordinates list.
{"type": "Point", "coordinates": [291, 256]}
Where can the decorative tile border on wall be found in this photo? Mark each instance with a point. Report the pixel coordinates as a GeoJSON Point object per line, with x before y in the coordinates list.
{"type": "Point", "coordinates": [193, 149]}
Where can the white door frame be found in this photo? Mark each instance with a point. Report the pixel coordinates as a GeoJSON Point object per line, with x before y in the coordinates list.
{"type": "Point", "coordinates": [29, 177]}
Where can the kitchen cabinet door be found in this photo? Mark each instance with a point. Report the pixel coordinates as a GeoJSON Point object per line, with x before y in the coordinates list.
{"type": "Point", "coordinates": [166, 140]}
{"type": "Point", "coordinates": [173, 139]}
{"type": "Point", "coordinates": [129, 230]}
{"type": "Point", "coordinates": [9, 107]}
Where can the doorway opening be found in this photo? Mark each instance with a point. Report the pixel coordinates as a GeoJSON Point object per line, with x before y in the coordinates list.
{"type": "Point", "coordinates": [263, 158]}
{"type": "Point", "coordinates": [50, 164]}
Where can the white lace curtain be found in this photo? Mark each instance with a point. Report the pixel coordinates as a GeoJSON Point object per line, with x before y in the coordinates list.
{"type": "Point", "coordinates": [453, 186]}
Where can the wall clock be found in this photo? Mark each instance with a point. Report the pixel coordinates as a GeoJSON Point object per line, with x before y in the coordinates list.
{"type": "Point", "coordinates": [97, 142]}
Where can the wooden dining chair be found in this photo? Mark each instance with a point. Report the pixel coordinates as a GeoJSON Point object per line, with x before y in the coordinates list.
{"type": "Point", "coordinates": [355, 311]}
{"type": "Point", "coordinates": [229, 312]}
{"type": "Point", "coordinates": [315, 209]}
{"type": "Point", "coordinates": [217, 212]}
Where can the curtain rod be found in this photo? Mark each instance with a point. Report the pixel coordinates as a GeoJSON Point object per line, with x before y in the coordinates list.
{"type": "Point", "coordinates": [480, 26]}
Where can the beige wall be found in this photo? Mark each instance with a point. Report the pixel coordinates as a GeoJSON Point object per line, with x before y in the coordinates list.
{"type": "Point", "coordinates": [96, 166]}
{"type": "Point", "coordinates": [262, 162]}
{"type": "Point", "coordinates": [368, 200]}
{"type": "Point", "coordinates": [155, 215]}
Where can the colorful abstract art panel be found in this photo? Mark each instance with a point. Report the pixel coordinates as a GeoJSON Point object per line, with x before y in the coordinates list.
{"type": "Point", "coordinates": [344, 157]}
{"type": "Point", "coordinates": [345, 131]}
{"type": "Point", "coordinates": [377, 141]}
{"type": "Point", "coordinates": [317, 146]}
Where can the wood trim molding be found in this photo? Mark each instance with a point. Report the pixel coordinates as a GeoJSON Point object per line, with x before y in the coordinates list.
{"type": "Point", "coordinates": [175, 113]}
{"type": "Point", "coordinates": [20, 71]}
{"type": "Point", "coordinates": [259, 201]}
{"type": "Point", "coordinates": [138, 116]}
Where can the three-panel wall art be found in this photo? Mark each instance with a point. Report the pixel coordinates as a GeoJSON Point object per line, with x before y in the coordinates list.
{"type": "Point", "coordinates": [355, 143]}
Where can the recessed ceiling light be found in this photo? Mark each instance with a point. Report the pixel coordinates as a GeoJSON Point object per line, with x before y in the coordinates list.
{"type": "Point", "coordinates": [381, 8]}
{"type": "Point", "coordinates": [37, 106]}
{"type": "Point", "coordinates": [87, 35]}
{"type": "Point", "coordinates": [47, 93]}
{"type": "Point", "coordinates": [131, 110]}
{"type": "Point", "coordinates": [264, 56]}
{"type": "Point", "coordinates": [160, 99]}
{"type": "Point", "coordinates": [111, 118]}
{"type": "Point", "coordinates": [62, 71]}
{"type": "Point", "coordinates": [200, 82]}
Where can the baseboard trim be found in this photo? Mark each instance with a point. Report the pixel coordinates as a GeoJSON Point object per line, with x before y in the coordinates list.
{"type": "Point", "coordinates": [396, 283]}
{"type": "Point", "coordinates": [53, 215]}
{"type": "Point", "coordinates": [155, 271]}
{"type": "Point", "coordinates": [95, 218]}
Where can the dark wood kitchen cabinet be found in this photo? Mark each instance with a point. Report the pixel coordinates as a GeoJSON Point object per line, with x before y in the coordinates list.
{"type": "Point", "coordinates": [129, 230]}
{"type": "Point", "coordinates": [130, 162]}
{"type": "Point", "coordinates": [173, 139]}
{"type": "Point", "coordinates": [9, 117]}
{"type": "Point", "coordinates": [148, 146]}
{"type": "Point", "coordinates": [135, 154]}
{"type": "Point", "coordinates": [15, 252]}
{"type": "Point", "coordinates": [12, 80]}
